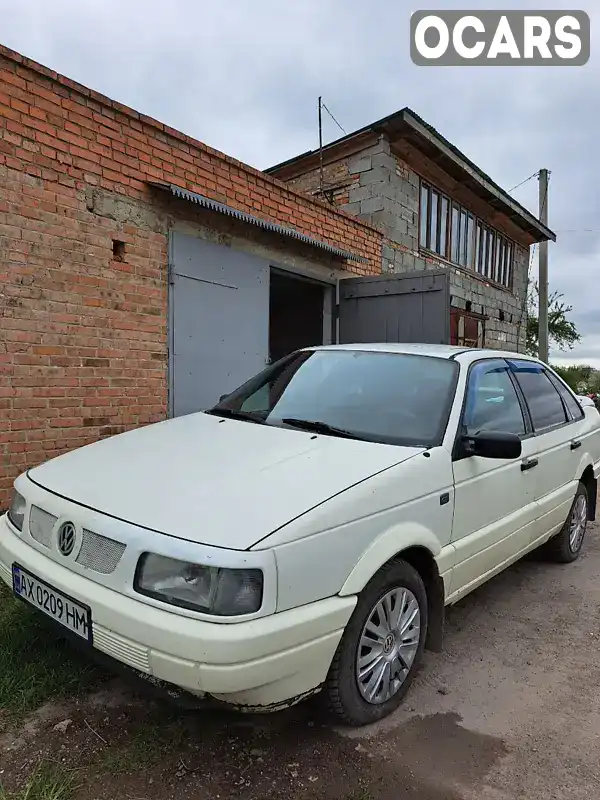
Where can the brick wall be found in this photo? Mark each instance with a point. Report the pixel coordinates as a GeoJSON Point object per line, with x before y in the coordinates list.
{"type": "Point", "coordinates": [333, 185]}
{"type": "Point", "coordinates": [82, 333]}
{"type": "Point", "coordinates": [83, 336]}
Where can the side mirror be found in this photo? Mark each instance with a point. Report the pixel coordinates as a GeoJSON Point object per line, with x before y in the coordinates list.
{"type": "Point", "coordinates": [492, 444]}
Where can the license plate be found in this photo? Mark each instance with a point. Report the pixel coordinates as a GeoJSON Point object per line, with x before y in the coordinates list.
{"type": "Point", "coordinates": [72, 615]}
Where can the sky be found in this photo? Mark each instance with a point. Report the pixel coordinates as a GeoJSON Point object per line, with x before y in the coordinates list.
{"type": "Point", "coordinates": [244, 77]}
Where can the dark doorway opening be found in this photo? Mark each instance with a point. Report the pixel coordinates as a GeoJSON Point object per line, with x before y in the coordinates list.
{"type": "Point", "coordinates": [295, 314]}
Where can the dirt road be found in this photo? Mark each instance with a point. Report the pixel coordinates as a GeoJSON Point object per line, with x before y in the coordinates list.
{"type": "Point", "coordinates": [510, 709]}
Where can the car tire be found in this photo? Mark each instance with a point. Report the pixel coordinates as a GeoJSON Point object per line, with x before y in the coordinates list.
{"type": "Point", "coordinates": [566, 546]}
{"type": "Point", "coordinates": [396, 591]}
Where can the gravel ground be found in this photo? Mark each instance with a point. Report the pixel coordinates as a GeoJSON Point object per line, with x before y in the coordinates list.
{"type": "Point", "coordinates": [510, 709]}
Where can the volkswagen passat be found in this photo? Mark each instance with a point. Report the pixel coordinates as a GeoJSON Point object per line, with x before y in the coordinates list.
{"type": "Point", "coordinates": [307, 532]}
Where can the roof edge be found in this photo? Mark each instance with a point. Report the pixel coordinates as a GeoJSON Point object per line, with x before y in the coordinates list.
{"type": "Point", "coordinates": [408, 116]}
{"type": "Point", "coordinates": [426, 130]}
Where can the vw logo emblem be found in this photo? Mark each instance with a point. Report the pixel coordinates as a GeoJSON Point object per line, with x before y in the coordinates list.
{"type": "Point", "coordinates": [66, 538]}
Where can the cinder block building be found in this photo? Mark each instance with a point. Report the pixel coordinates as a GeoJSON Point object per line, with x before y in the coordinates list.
{"type": "Point", "coordinates": [143, 274]}
{"type": "Point", "coordinates": [439, 212]}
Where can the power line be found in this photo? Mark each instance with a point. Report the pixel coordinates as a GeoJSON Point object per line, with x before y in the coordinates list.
{"type": "Point", "coordinates": [535, 174]}
{"type": "Point", "coordinates": [332, 117]}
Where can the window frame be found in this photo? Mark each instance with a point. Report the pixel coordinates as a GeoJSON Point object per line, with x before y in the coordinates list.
{"type": "Point", "coordinates": [562, 389]}
{"type": "Point", "coordinates": [458, 453]}
{"type": "Point", "coordinates": [484, 362]}
{"type": "Point", "coordinates": [569, 420]}
{"type": "Point", "coordinates": [491, 252]}
{"type": "Point", "coordinates": [443, 220]}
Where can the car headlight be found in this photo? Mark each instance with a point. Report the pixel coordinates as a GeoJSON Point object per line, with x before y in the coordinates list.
{"type": "Point", "coordinates": [213, 590]}
{"type": "Point", "coordinates": [16, 512]}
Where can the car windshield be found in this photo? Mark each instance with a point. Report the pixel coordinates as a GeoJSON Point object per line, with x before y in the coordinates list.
{"type": "Point", "coordinates": [391, 398]}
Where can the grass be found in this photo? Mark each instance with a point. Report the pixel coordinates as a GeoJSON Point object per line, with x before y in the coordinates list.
{"type": "Point", "coordinates": [48, 782]}
{"type": "Point", "coordinates": [35, 664]}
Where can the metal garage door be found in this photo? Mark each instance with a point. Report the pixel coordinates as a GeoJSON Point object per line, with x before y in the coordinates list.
{"type": "Point", "coordinates": [219, 321]}
{"type": "Point", "coordinates": [395, 308]}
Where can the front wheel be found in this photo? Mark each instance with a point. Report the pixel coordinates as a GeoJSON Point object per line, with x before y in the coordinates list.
{"type": "Point", "coordinates": [566, 546]}
{"type": "Point", "coordinates": [381, 648]}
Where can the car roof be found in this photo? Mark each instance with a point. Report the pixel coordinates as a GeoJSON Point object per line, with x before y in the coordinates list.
{"type": "Point", "coordinates": [465, 355]}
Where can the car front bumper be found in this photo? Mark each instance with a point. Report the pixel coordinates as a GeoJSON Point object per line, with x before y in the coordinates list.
{"type": "Point", "coordinates": [263, 663]}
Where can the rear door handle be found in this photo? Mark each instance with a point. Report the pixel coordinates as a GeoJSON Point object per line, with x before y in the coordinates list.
{"type": "Point", "coordinates": [575, 444]}
{"type": "Point", "coordinates": [530, 464]}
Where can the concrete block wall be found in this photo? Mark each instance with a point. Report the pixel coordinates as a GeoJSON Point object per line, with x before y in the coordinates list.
{"type": "Point", "coordinates": [386, 195]}
{"type": "Point", "coordinates": [383, 190]}
{"type": "Point", "coordinates": [506, 312]}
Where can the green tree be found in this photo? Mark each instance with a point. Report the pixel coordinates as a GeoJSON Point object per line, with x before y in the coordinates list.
{"type": "Point", "coordinates": [575, 375]}
{"type": "Point", "coordinates": [562, 332]}
{"type": "Point", "coordinates": [582, 378]}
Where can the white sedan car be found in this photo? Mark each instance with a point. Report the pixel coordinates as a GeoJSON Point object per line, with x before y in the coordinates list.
{"type": "Point", "coordinates": [307, 532]}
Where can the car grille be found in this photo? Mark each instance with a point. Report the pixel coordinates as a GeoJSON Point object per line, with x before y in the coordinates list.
{"type": "Point", "coordinates": [131, 653]}
{"type": "Point", "coordinates": [40, 525]}
{"type": "Point", "coordinates": [99, 553]}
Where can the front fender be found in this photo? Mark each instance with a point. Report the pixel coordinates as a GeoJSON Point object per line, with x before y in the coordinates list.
{"type": "Point", "coordinates": [386, 547]}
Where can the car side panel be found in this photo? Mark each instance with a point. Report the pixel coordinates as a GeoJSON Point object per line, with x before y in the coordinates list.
{"type": "Point", "coordinates": [341, 544]}
{"type": "Point", "coordinates": [556, 477]}
{"type": "Point", "coordinates": [495, 507]}
{"type": "Point", "coordinates": [494, 517]}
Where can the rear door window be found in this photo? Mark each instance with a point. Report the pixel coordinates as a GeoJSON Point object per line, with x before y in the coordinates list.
{"type": "Point", "coordinates": [573, 407]}
{"type": "Point", "coordinates": [543, 400]}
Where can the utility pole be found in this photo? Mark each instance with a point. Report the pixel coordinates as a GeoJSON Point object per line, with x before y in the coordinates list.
{"type": "Point", "coordinates": [320, 149]}
{"type": "Point", "coordinates": [543, 270]}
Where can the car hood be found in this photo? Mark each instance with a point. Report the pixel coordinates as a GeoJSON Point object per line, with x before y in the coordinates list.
{"type": "Point", "coordinates": [214, 481]}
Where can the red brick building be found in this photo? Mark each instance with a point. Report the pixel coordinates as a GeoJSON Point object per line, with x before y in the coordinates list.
{"type": "Point", "coordinates": [84, 256]}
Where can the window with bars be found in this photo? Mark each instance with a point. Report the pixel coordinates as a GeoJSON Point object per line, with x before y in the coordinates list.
{"type": "Point", "coordinates": [452, 232]}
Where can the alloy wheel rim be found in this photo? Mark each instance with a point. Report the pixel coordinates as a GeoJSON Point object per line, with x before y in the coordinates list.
{"type": "Point", "coordinates": [388, 645]}
{"type": "Point", "coordinates": [578, 523]}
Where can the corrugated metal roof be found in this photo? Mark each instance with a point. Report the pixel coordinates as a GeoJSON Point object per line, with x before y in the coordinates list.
{"type": "Point", "coordinates": [206, 202]}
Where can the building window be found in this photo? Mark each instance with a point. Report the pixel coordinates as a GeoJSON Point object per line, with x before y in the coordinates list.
{"type": "Point", "coordinates": [466, 329]}
{"type": "Point", "coordinates": [452, 232]}
{"type": "Point", "coordinates": [434, 233]}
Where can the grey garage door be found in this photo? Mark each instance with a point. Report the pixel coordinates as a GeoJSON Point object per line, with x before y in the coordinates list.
{"type": "Point", "coordinates": [395, 308]}
{"type": "Point", "coordinates": [219, 321]}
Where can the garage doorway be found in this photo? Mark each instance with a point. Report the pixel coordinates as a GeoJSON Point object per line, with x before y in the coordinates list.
{"type": "Point", "coordinates": [296, 313]}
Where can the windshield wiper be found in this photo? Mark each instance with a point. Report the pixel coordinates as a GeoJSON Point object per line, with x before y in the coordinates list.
{"type": "Point", "coordinates": [320, 427]}
{"type": "Point", "coordinates": [230, 413]}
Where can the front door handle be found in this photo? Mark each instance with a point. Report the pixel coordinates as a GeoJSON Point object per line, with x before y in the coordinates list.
{"type": "Point", "coordinates": [529, 464]}
{"type": "Point", "coordinates": [575, 444]}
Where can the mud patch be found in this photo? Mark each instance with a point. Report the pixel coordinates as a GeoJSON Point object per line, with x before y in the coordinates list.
{"type": "Point", "coordinates": [440, 752]}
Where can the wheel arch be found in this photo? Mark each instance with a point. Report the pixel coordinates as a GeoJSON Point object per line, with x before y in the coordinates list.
{"type": "Point", "coordinates": [591, 484]}
{"type": "Point", "coordinates": [420, 553]}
